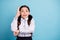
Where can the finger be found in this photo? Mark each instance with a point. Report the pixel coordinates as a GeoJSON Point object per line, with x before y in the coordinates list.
{"type": "Point", "coordinates": [17, 10]}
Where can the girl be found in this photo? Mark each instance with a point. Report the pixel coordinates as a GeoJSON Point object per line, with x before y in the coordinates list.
{"type": "Point", "coordinates": [23, 24]}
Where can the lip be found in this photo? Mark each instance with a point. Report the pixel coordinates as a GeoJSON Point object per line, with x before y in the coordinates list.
{"type": "Point", "coordinates": [24, 15]}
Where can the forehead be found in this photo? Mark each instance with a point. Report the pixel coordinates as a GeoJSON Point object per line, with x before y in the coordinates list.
{"type": "Point", "coordinates": [24, 8]}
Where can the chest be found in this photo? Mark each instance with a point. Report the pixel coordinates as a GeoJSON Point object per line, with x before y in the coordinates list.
{"type": "Point", "coordinates": [24, 24]}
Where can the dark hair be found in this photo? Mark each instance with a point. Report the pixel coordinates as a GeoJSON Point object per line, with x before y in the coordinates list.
{"type": "Point", "coordinates": [19, 18]}
{"type": "Point", "coordinates": [24, 6]}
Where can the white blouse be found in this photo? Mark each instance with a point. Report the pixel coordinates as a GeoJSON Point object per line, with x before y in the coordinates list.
{"type": "Point", "coordinates": [24, 28]}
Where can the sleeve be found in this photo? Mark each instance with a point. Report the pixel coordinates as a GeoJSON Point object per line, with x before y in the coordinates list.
{"type": "Point", "coordinates": [14, 24]}
{"type": "Point", "coordinates": [30, 28]}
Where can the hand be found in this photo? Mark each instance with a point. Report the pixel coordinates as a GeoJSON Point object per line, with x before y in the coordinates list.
{"type": "Point", "coordinates": [18, 13]}
{"type": "Point", "coordinates": [16, 32]}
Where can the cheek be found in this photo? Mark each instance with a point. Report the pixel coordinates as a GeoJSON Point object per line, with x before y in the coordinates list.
{"type": "Point", "coordinates": [22, 13]}
{"type": "Point", "coordinates": [28, 13]}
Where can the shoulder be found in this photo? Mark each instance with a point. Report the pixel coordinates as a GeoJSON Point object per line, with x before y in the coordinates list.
{"type": "Point", "coordinates": [15, 18]}
{"type": "Point", "coordinates": [32, 20]}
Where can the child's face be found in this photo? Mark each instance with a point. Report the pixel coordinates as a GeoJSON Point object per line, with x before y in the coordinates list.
{"type": "Point", "coordinates": [24, 12]}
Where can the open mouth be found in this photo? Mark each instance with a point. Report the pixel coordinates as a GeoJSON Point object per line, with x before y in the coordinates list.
{"type": "Point", "coordinates": [24, 15]}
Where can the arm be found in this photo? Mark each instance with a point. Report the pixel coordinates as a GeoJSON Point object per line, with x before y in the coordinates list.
{"type": "Point", "coordinates": [14, 23]}
{"type": "Point", "coordinates": [14, 27]}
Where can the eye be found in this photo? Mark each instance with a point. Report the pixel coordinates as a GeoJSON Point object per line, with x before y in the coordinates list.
{"type": "Point", "coordinates": [26, 10]}
{"type": "Point", "coordinates": [22, 11]}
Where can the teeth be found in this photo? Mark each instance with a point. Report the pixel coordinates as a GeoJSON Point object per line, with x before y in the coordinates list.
{"type": "Point", "coordinates": [24, 15]}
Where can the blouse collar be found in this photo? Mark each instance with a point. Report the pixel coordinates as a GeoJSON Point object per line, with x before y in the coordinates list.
{"type": "Point", "coordinates": [24, 19]}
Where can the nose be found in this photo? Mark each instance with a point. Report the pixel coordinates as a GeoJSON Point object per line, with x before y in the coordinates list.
{"type": "Point", "coordinates": [24, 12]}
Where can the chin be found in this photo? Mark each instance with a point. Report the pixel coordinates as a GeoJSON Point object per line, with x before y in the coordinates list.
{"type": "Point", "coordinates": [25, 16]}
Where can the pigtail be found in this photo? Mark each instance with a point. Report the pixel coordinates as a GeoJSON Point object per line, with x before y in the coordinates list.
{"type": "Point", "coordinates": [18, 21]}
{"type": "Point", "coordinates": [29, 19]}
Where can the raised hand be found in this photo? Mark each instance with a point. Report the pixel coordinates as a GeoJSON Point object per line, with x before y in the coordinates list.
{"type": "Point", "coordinates": [18, 13]}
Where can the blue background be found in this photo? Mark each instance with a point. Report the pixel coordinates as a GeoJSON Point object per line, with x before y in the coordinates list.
{"type": "Point", "coordinates": [46, 14]}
